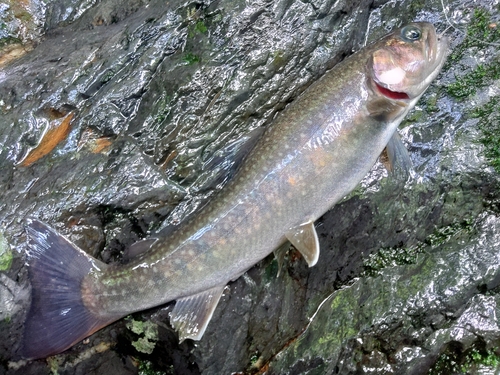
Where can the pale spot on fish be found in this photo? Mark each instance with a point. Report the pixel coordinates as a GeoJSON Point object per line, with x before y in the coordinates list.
{"type": "Point", "coordinates": [392, 76]}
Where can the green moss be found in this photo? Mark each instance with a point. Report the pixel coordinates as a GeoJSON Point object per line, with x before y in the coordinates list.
{"type": "Point", "coordinates": [480, 77]}
{"type": "Point", "coordinates": [144, 345]}
{"type": "Point", "coordinates": [146, 368]}
{"type": "Point", "coordinates": [396, 256]}
{"type": "Point", "coordinates": [489, 124]}
{"type": "Point", "coordinates": [445, 234]}
{"type": "Point", "coordinates": [107, 76]}
{"type": "Point", "coordinates": [271, 270]}
{"type": "Point", "coordinates": [200, 27]}
{"type": "Point", "coordinates": [254, 359]}
{"type": "Point", "coordinates": [455, 360]}
{"type": "Point", "coordinates": [431, 103]}
{"type": "Point", "coordinates": [445, 364]}
{"type": "Point", "coordinates": [416, 6]}
{"type": "Point", "coordinates": [8, 41]}
{"type": "Point", "coordinates": [197, 28]}
{"type": "Point", "coordinates": [148, 335]}
{"type": "Point", "coordinates": [279, 59]}
{"type": "Point", "coordinates": [163, 108]}
{"type": "Point", "coordinates": [5, 254]}
{"type": "Point", "coordinates": [479, 34]}
{"type": "Point", "coordinates": [53, 363]}
{"type": "Point", "coordinates": [390, 257]}
{"type": "Point", "coordinates": [191, 58]}
{"type": "Point", "coordinates": [489, 358]}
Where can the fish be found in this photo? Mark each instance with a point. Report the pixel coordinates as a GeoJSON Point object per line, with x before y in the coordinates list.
{"type": "Point", "coordinates": [314, 153]}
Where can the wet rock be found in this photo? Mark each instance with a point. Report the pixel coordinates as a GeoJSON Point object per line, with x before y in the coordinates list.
{"type": "Point", "coordinates": [401, 320]}
{"type": "Point", "coordinates": [159, 97]}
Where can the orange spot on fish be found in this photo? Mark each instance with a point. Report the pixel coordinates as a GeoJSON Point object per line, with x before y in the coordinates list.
{"type": "Point", "coordinates": [57, 131]}
{"type": "Point", "coordinates": [319, 158]}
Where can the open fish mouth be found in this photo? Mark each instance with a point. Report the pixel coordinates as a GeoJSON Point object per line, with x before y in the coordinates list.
{"type": "Point", "coordinates": [394, 95]}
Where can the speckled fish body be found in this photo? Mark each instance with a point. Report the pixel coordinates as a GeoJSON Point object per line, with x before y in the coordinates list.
{"type": "Point", "coordinates": [314, 154]}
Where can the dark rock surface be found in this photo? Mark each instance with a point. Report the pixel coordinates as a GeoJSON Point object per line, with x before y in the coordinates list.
{"type": "Point", "coordinates": [156, 100]}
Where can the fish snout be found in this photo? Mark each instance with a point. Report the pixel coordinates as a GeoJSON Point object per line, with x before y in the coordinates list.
{"type": "Point", "coordinates": [408, 60]}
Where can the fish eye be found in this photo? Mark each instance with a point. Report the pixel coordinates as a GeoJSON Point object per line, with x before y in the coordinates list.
{"type": "Point", "coordinates": [411, 33]}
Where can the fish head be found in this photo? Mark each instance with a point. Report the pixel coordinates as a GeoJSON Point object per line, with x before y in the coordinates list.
{"type": "Point", "coordinates": [405, 62]}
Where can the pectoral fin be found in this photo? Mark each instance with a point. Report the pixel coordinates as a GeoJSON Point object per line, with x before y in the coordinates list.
{"type": "Point", "coordinates": [398, 159]}
{"type": "Point", "coordinates": [305, 240]}
{"type": "Point", "coordinates": [191, 315]}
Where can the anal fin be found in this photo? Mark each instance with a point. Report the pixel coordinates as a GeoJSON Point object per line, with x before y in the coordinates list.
{"type": "Point", "coordinates": [191, 315]}
{"type": "Point", "coordinates": [305, 240]}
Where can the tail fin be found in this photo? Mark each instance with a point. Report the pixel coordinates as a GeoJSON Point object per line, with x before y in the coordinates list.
{"type": "Point", "coordinates": [57, 318]}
